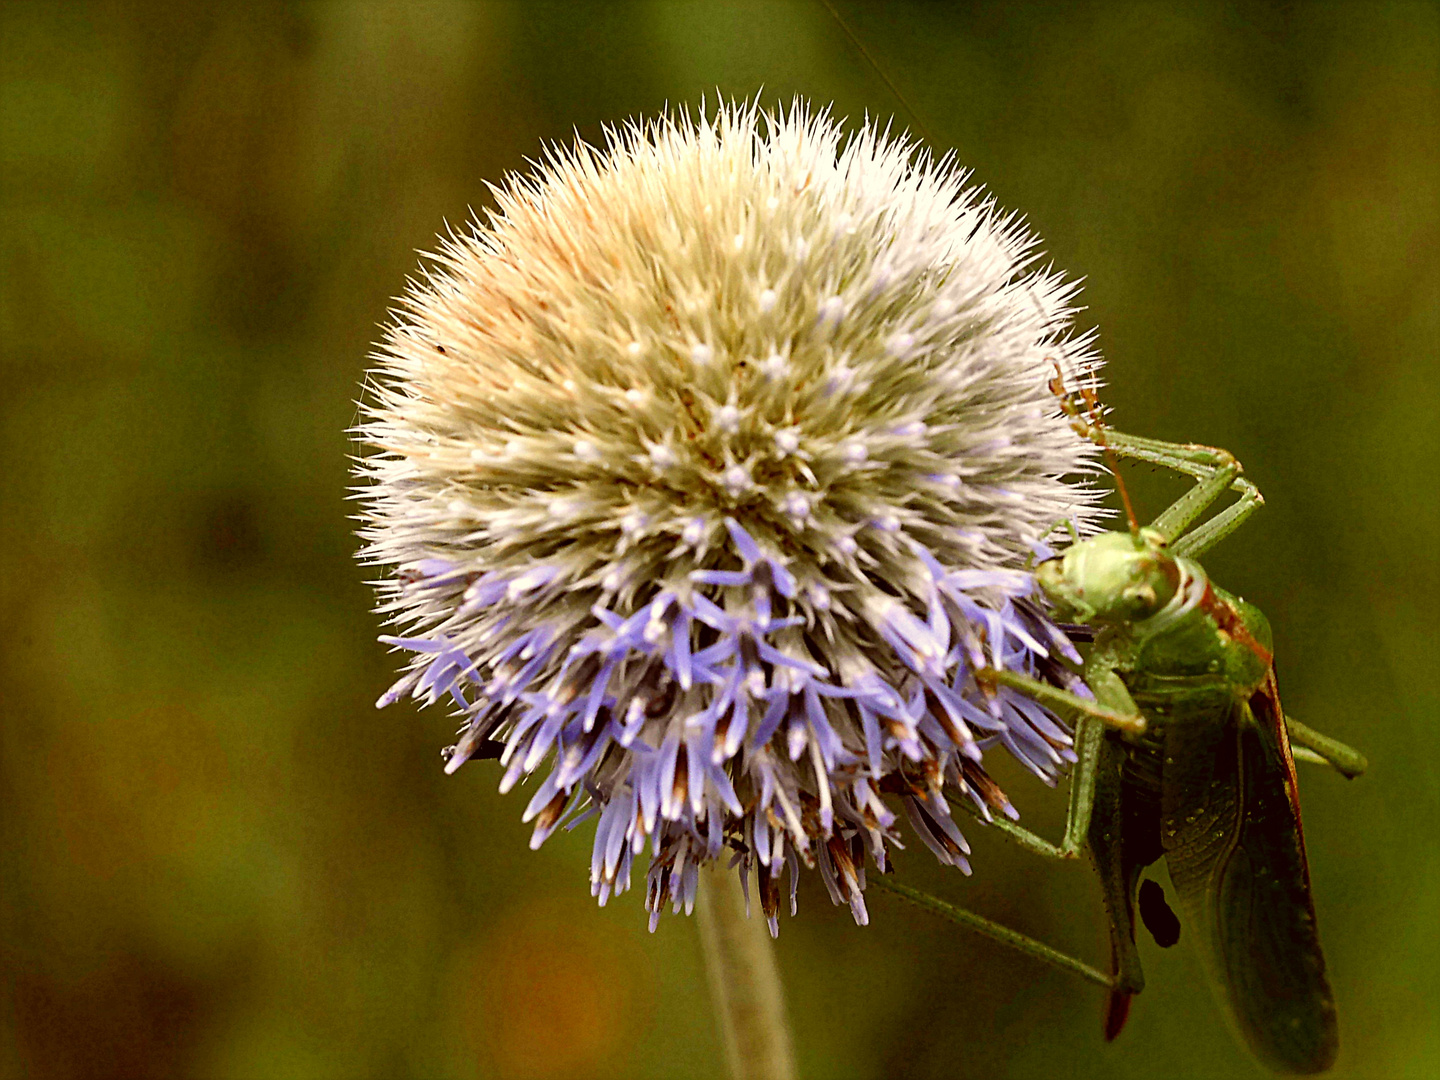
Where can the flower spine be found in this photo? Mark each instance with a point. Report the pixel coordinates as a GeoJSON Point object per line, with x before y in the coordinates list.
{"type": "Point", "coordinates": [707, 472]}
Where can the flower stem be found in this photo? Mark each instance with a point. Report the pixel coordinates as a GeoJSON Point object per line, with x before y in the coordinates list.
{"type": "Point", "coordinates": [744, 980]}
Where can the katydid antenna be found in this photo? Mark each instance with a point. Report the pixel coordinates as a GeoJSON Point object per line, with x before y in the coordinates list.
{"type": "Point", "coordinates": [1091, 426]}
{"type": "Point", "coordinates": [864, 52]}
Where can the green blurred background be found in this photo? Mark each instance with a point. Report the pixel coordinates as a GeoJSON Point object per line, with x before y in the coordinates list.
{"type": "Point", "coordinates": [220, 861]}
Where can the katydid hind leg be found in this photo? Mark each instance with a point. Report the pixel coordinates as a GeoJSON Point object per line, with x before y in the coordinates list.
{"type": "Point", "coordinates": [1345, 760]}
{"type": "Point", "coordinates": [1302, 753]}
{"type": "Point", "coordinates": [993, 930]}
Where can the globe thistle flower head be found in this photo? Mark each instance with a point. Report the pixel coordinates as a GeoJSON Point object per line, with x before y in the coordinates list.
{"type": "Point", "coordinates": [707, 472]}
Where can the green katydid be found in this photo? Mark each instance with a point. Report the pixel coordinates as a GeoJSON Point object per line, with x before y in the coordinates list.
{"type": "Point", "coordinates": [1185, 753]}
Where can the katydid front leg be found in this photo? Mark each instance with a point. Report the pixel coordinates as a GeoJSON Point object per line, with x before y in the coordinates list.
{"type": "Point", "coordinates": [1113, 707]}
{"type": "Point", "coordinates": [1125, 718]}
{"type": "Point", "coordinates": [1215, 470]}
{"type": "Point", "coordinates": [1089, 738]}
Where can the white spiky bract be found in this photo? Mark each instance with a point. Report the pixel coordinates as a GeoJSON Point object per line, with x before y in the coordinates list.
{"type": "Point", "coordinates": [707, 471]}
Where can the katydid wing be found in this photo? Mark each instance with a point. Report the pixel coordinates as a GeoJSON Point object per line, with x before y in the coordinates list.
{"type": "Point", "coordinates": [1211, 787]}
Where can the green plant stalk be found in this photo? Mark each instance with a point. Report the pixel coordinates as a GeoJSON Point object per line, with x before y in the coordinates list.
{"type": "Point", "coordinates": [744, 980]}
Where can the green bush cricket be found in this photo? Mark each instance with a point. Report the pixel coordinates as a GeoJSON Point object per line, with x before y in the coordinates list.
{"type": "Point", "coordinates": [1185, 753]}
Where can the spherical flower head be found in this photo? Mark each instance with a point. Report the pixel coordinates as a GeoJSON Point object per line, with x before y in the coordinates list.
{"type": "Point", "coordinates": [707, 472]}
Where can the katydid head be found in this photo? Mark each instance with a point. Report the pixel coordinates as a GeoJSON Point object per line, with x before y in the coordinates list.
{"type": "Point", "coordinates": [1111, 578]}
